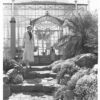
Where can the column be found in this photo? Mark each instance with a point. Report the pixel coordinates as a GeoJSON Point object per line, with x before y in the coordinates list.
{"type": "Point", "coordinates": [13, 37]}
{"type": "Point", "coordinates": [61, 31]}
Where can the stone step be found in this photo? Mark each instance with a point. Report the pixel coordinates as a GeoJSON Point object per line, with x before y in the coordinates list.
{"type": "Point", "coordinates": [31, 96]}
{"type": "Point", "coordinates": [45, 85]}
{"type": "Point", "coordinates": [39, 74]}
{"type": "Point", "coordinates": [40, 68]}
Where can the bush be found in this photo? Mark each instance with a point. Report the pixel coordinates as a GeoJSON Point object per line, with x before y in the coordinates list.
{"type": "Point", "coordinates": [86, 87]}
{"type": "Point", "coordinates": [59, 93]}
{"type": "Point", "coordinates": [18, 79]}
{"type": "Point", "coordinates": [72, 82]}
{"type": "Point", "coordinates": [14, 76]}
{"type": "Point", "coordinates": [10, 64]}
{"type": "Point", "coordinates": [63, 81]}
{"type": "Point", "coordinates": [68, 67]}
{"type": "Point", "coordinates": [56, 68]}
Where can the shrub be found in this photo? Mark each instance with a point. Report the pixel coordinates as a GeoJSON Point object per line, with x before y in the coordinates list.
{"type": "Point", "coordinates": [59, 93]}
{"type": "Point", "coordinates": [14, 76]}
{"type": "Point", "coordinates": [86, 87]}
{"type": "Point", "coordinates": [68, 67]}
{"type": "Point", "coordinates": [10, 64]}
{"type": "Point", "coordinates": [56, 68]}
{"type": "Point", "coordinates": [18, 79]}
{"type": "Point", "coordinates": [72, 82]}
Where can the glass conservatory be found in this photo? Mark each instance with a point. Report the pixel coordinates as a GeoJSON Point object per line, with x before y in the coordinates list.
{"type": "Point", "coordinates": [46, 17]}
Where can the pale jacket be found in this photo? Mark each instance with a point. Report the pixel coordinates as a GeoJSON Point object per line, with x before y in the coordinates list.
{"type": "Point", "coordinates": [29, 48]}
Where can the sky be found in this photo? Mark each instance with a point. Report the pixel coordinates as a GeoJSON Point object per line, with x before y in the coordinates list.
{"type": "Point", "coordinates": [94, 4]}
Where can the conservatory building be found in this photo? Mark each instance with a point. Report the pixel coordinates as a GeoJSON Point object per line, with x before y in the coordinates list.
{"type": "Point", "coordinates": [47, 18]}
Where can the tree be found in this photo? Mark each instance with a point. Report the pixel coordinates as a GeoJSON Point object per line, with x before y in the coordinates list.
{"type": "Point", "coordinates": [85, 39]}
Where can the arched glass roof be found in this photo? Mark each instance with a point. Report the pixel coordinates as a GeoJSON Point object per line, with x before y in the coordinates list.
{"type": "Point", "coordinates": [52, 1]}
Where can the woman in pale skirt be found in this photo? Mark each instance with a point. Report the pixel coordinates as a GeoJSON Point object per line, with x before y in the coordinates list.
{"type": "Point", "coordinates": [28, 43]}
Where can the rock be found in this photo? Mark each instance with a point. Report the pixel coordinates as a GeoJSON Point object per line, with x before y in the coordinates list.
{"type": "Point", "coordinates": [94, 69]}
{"type": "Point", "coordinates": [87, 60]}
{"type": "Point", "coordinates": [31, 96]}
{"type": "Point", "coordinates": [5, 78]}
{"type": "Point", "coordinates": [6, 91]}
{"type": "Point", "coordinates": [54, 63]}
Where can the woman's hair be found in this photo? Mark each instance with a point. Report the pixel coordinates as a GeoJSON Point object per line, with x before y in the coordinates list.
{"type": "Point", "coordinates": [30, 35]}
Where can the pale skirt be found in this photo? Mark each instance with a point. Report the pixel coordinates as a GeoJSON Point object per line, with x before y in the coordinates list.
{"type": "Point", "coordinates": [28, 54]}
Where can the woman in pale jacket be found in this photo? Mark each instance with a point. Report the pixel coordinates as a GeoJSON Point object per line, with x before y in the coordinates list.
{"type": "Point", "coordinates": [28, 43]}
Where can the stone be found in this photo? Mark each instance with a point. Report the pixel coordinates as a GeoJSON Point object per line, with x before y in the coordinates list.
{"type": "Point", "coordinates": [54, 63]}
{"type": "Point", "coordinates": [6, 91]}
{"type": "Point", "coordinates": [39, 74]}
{"type": "Point", "coordinates": [31, 96]}
{"type": "Point", "coordinates": [94, 69]}
{"type": "Point", "coordinates": [87, 60]}
{"type": "Point", "coordinates": [5, 78]}
{"type": "Point", "coordinates": [45, 85]}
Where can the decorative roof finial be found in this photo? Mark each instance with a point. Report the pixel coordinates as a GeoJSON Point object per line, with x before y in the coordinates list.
{"type": "Point", "coordinates": [47, 13]}
{"type": "Point", "coordinates": [76, 4]}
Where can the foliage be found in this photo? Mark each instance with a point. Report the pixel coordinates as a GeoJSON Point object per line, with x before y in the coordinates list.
{"type": "Point", "coordinates": [15, 75]}
{"type": "Point", "coordinates": [82, 85]}
{"type": "Point", "coordinates": [59, 93]}
{"type": "Point", "coordinates": [9, 63]}
{"type": "Point", "coordinates": [18, 79]}
{"type": "Point", "coordinates": [72, 82]}
{"type": "Point", "coordinates": [85, 29]}
{"type": "Point", "coordinates": [86, 87]}
{"type": "Point", "coordinates": [56, 68]}
{"type": "Point", "coordinates": [65, 79]}
{"type": "Point", "coordinates": [69, 68]}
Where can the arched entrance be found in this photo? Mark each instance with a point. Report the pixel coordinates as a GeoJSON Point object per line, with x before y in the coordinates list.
{"type": "Point", "coordinates": [47, 31]}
